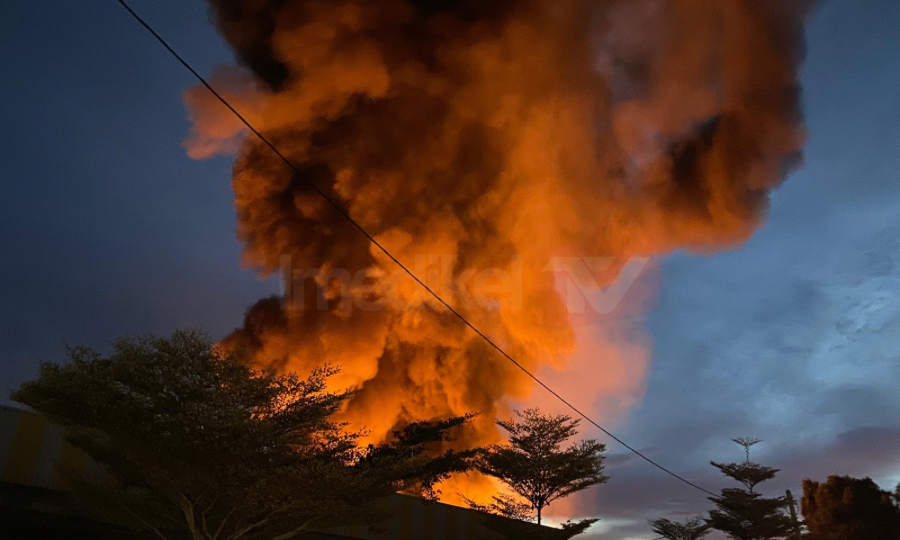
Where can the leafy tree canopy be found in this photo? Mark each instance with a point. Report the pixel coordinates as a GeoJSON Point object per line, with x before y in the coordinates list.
{"type": "Point", "coordinates": [536, 466]}
{"type": "Point", "coordinates": [196, 440]}
{"type": "Point", "coordinates": [845, 508]}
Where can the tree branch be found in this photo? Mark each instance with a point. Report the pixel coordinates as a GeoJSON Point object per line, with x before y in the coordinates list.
{"type": "Point", "coordinates": [142, 520]}
{"type": "Point", "coordinates": [302, 528]}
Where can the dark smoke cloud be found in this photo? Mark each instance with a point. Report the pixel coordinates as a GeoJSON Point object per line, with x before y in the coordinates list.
{"type": "Point", "coordinates": [490, 133]}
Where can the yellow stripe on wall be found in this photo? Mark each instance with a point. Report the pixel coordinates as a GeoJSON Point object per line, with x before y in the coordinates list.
{"type": "Point", "coordinates": [71, 462]}
{"type": "Point", "coordinates": [26, 449]}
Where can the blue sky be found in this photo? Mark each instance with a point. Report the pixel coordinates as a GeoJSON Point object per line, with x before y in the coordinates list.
{"type": "Point", "coordinates": [107, 228]}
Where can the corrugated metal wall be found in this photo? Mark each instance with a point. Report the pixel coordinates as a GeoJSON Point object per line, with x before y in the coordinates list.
{"type": "Point", "coordinates": [33, 452]}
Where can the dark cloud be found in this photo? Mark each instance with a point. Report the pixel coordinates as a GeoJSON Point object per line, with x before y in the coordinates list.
{"type": "Point", "coordinates": [794, 337]}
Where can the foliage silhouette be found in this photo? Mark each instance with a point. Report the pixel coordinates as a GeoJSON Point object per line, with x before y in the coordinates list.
{"type": "Point", "coordinates": [193, 439]}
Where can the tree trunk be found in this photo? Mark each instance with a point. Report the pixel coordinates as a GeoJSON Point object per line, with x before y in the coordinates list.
{"type": "Point", "coordinates": [539, 514]}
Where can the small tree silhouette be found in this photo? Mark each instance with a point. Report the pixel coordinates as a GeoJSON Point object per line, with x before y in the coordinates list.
{"type": "Point", "coordinates": [536, 466]}
{"type": "Point", "coordinates": [744, 514]}
{"type": "Point", "coordinates": [692, 529]}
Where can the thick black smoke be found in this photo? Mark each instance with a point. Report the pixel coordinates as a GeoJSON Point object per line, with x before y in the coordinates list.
{"type": "Point", "coordinates": [486, 135]}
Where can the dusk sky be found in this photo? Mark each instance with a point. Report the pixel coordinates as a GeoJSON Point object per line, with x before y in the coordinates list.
{"type": "Point", "coordinates": [108, 228]}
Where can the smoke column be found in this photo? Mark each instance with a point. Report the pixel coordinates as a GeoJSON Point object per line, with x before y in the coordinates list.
{"type": "Point", "coordinates": [485, 134]}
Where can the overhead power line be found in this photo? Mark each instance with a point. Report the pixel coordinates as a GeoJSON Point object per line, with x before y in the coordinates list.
{"type": "Point", "coordinates": [375, 242]}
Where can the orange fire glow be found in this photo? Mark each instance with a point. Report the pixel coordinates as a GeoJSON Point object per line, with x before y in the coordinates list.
{"type": "Point", "coordinates": [478, 135]}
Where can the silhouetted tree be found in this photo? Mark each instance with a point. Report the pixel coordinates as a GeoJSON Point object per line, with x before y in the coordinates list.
{"type": "Point", "coordinates": [195, 440]}
{"type": "Point", "coordinates": [845, 508]}
{"type": "Point", "coordinates": [742, 513]}
{"type": "Point", "coordinates": [536, 466]}
{"type": "Point", "coordinates": [692, 529]}
{"type": "Point", "coordinates": [504, 505]}
{"type": "Point", "coordinates": [520, 520]}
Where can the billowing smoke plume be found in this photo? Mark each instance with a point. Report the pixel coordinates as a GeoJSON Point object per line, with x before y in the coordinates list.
{"type": "Point", "coordinates": [486, 135]}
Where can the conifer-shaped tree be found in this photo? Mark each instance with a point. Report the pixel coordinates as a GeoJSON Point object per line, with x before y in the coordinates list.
{"type": "Point", "coordinates": [743, 513]}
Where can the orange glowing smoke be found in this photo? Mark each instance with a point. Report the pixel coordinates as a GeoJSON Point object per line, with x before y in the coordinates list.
{"type": "Point", "coordinates": [485, 133]}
